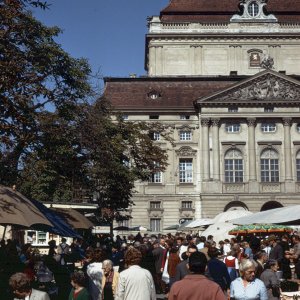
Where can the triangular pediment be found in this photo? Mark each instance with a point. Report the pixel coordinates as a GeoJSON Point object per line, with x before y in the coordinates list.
{"type": "Point", "coordinates": [263, 88]}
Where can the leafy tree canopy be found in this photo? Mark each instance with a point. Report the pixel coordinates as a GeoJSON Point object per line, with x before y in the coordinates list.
{"type": "Point", "coordinates": [36, 75]}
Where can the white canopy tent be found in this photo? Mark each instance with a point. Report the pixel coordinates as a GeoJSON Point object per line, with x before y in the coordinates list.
{"type": "Point", "coordinates": [283, 215]}
{"type": "Point", "coordinates": [230, 215]}
{"type": "Point", "coordinates": [199, 223]}
{"type": "Point", "coordinates": [219, 231]}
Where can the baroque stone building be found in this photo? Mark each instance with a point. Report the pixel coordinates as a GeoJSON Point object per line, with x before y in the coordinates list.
{"type": "Point", "coordinates": [225, 76]}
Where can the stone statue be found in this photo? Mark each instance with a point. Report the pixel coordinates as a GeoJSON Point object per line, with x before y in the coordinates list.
{"type": "Point", "coordinates": [267, 62]}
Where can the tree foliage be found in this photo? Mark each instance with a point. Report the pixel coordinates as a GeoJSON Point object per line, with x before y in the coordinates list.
{"type": "Point", "coordinates": [36, 75]}
{"type": "Point", "coordinates": [52, 140]}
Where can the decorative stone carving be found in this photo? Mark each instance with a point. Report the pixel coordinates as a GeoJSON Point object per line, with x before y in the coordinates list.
{"type": "Point", "coordinates": [215, 122]}
{"type": "Point", "coordinates": [270, 187]}
{"type": "Point", "coordinates": [267, 62]}
{"type": "Point", "coordinates": [186, 151]}
{"type": "Point", "coordinates": [251, 122]}
{"type": "Point", "coordinates": [251, 15]}
{"type": "Point", "coordinates": [205, 122]}
{"type": "Point", "coordinates": [267, 87]}
{"type": "Point", "coordinates": [287, 121]}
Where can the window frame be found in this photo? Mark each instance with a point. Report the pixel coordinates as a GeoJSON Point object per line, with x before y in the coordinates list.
{"type": "Point", "coordinates": [157, 224]}
{"type": "Point", "coordinates": [253, 9]}
{"type": "Point", "coordinates": [268, 127]}
{"type": "Point", "coordinates": [185, 170]}
{"type": "Point", "coordinates": [185, 135]}
{"type": "Point", "coordinates": [269, 166]}
{"type": "Point", "coordinates": [187, 204]}
{"type": "Point", "coordinates": [231, 127]}
{"type": "Point", "coordinates": [155, 204]}
{"type": "Point", "coordinates": [233, 166]}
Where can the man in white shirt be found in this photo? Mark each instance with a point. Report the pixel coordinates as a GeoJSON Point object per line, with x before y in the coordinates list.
{"type": "Point", "coordinates": [21, 287]}
{"type": "Point", "coordinates": [135, 282]}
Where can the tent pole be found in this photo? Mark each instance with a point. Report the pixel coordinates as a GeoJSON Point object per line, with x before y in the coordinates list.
{"type": "Point", "coordinates": [4, 232]}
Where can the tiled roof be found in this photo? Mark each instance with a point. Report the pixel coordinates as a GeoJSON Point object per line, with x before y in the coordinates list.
{"type": "Point", "coordinates": [222, 10]}
{"type": "Point", "coordinates": [134, 93]}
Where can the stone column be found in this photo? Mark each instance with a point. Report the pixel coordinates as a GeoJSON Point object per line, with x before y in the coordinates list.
{"type": "Point", "coordinates": [251, 149]}
{"type": "Point", "coordinates": [216, 149]}
{"type": "Point", "coordinates": [287, 149]}
{"type": "Point", "coordinates": [205, 150]}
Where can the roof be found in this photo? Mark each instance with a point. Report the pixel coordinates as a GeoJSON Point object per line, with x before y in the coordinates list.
{"type": "Point", "coordinates": [173, 93]}
{"type": "Point", "coordinates": [221, 11]}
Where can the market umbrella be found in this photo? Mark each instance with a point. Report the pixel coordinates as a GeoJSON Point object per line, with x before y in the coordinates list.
{"type": "Point", "coordinates": [219, 231]}
{"type": "Point", "coordinates": [283, 215]}
{"type": "Point", "coordinates": [59, 226]}
{"type": "Point", "coordinates": [260, 228]}
{"type": "Point", "coordinates": [230, 215]}
{"type": "Point", "coordinates": [172, 227]}
{"type": "Point", "coordinates": [74, 218]}
{"type": "Point", "coordinates": [139, 228]}
{"type": "Point", "coordinates": [121, 228]}
{"type": "Point", "coordinates": [16, 209]}
{"type": "Point", "coordinates": [199, 223]}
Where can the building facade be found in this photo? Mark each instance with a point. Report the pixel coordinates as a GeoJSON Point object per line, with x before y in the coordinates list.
{"type": "Point", "coordinates": [225, 77]}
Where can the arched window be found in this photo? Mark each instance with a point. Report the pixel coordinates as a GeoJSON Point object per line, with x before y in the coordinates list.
{"type": "Point", "coordinates": [269, 166]}
{"type": "Point", "coordinates": [298, 166]}
{"type": "Point", "coordinates": [234, 167]}
{"type": "Point", "coordinates": [253, 9]}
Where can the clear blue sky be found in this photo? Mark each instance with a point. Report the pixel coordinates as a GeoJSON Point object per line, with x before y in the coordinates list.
{"type": "Point", "coordinates": [109, 33]}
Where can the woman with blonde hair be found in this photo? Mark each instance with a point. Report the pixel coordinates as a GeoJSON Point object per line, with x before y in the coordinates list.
{"type": "Point", "coordinates": [109, 280]}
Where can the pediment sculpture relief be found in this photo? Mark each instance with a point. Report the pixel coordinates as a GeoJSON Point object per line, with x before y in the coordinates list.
{"type": "Point", "coordinates": [186, 151]}
{"type": "Point", "coordinates": [267, 87]}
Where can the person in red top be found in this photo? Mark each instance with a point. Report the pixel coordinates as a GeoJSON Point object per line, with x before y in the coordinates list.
{"type": "Point", "coordinates": [196, 286]}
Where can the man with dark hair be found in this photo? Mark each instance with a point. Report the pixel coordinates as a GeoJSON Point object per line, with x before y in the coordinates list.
{"type": "Point", "coordinates": [182, 269]}
{"type": "Point", "coordinates": [21, 288]}
{"type": "Point", "coordinates": [195, 285]}
{"type": "Point", "coordinates": [135, 282]}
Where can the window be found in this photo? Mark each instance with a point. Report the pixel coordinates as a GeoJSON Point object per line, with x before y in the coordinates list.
{"type": "Point", "coordinates": [153, 117]}
{"type": "Point", "coordinates": [233, 109]}
{"type": "Point", "coordinates": [125, 117]}
{"type": "Point", "coordinates": [187, 204]}
{"type": "Point", "coordinates": [155, 204]}
{"type": "Point", "coordinates": [268, 109]}
{"type": "Point", "coordinates": [182, 117]}
{"type": "Point", "coordinates": [155, 136]}
{"type": "Point", "coordinates": [268, 127]}
{"type": "Point", "coordinates": [298, 128]}
{"type": "Point", "coordinates": [234, 169]}
{"type": "Point", "coordinates": [269, 166]}
{"type": "Point", "coordinates": [155, 225]}
{"type": "Point", "coordinates": [185, 135]}
{"type": "Point", "coordinates": [185, 170]}
{"type": "Point", "coordinates": [36, 237]}
{"type": "Point", "coordinates": [156, 177]}
{"type": "Point", "coordinates": [253, 9]}
{"type": "Point", "coordinates": [230, 128]}
{"type": "Point", "coordinates": [124, 223]}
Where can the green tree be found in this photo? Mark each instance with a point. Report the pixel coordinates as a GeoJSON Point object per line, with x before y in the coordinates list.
{"type": "Point", "coordinates": [36, 74]}
{"type": "Point", "coordinates": [119, 152]}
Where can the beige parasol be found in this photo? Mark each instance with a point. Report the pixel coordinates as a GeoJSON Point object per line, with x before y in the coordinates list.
{"type": "Point", "coordinates": [16, 209]}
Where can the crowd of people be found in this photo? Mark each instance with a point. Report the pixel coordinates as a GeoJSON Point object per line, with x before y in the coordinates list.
{"type": "Point", "coordinates": [180, 266]}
